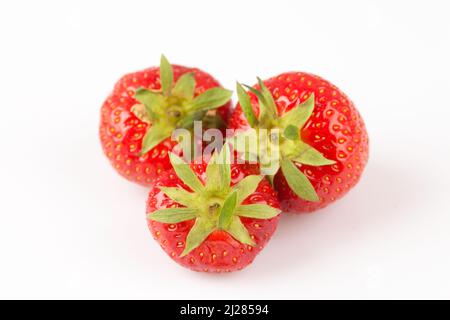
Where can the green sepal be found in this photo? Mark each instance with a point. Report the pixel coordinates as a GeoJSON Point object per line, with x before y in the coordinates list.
{"type": "Point", "coordinates": [218, 174]}
{"type": "Point", "coordinates": [298, 182]}
{"type": "Point", "coordinates": [227, 211]}
{"type": "Point", "coordinates": [257, 211]}
{"type": "Point", "coordinates": [240, 232]}
{"type": "Point", "coordinates": [154, 136]}
{"type": "Point", "coordinates": [188, 121]}
{"type": "Point", "coordinates": [173, 215]}
{"type": "Point", "coordinates": [291, 132]}
{"type": "Point", "coordinates": [201, 229]}
{"type": "Point", "coordinates": [139, 110]}
{"type": "Point", "coordinates": [271, 178]}
{"type": "Point", "coordinates": [246, 187]}
{"type": "Point", "coordinates": [152, 101]}
{"type": "Point", "coordinates": [179, 195]}
{"type": "Point", "coordinates": [269, 102]}
{"type": "Point", "coordinates": [166, 75]}
{"type": "Point", "coordinates": [310, 156]}
{"type": "Point", "coordinates": [244, 101]}
{"type": "Point", "coordinates": [185, 86]}
{"type": "Point", "coordinates": [264, 120]}
{"type": "Point", "coordinates": [211, 99]}
{"type": "Point", "coordinates": [267, 108]}
{"type": "Point", "coordinates": [213, 121]}
{"type": "Point", "coordinates": [271, 168]}
{"type": "Point", "coordinates": [256, 92]}
{"type": "Point", "coordinates": [213, 174]}
{"type": "Point", "coordinates": [225, 167]}
{"type": "Point", "coordinates": [185, 173]}
{"type": "Point", "coordinates": [299, 115]}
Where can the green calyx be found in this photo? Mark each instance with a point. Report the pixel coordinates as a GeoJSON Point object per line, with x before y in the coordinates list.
{"type": "Point", "coordinates": [174, 106]}
{"type": "Point", "coordinates": [215, 205]}
{"type": "Point", "coordinates": [277, 142]}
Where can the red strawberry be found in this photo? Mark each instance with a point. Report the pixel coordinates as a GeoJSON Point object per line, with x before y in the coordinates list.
{"type": "Point", "coordinates": [323, 140]}
{"type": "Point", "coordinates": [138, 117]}
{"type": "Point", "coordinates": [212, 217]}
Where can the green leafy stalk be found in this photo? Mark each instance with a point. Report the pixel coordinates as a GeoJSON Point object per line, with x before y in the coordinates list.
{"type": "Point", "coordinates": [291, 147]}
{"type": "Point", "coordinates": [227, 211]}
{"type": "Point", "coordinates": [175, 105]}
{"type": "Point", "coordinates": [292, 132]}
{"type": "Point", "coordinates": [215, 205]}
{"type": "Point", "coordinates": [154, 136]}
{"type": "Point", "coordinates": [200, 231]}
{"type": "Point", "coordinates": [299, 115]}
{"type": "Point", "coordinates": [258, 211]}
{"type": "Point", "coordinates": [240, 232]}
{"type": "Point", "coordinates": [298, 182]}
{"type": "Point", "coordinates": [218, 171]}
{"type": "Point", "coordinates": [310, 156]}
{"type": "Point", "coordinates": [246, 187]}
{"type": "Point", "coordinates": [211, 99]}
{"type": "Point", "coordinates": [185, 173]}
{"type": "Point", "coordinates": [173, 215]}
{"type": "Point", "coordinates": [179, 195]}
{"type": "Point", "coordinates": [244, 101]}
{"type": "Point", "coordinates": [166, 74]}
{"type": "Point", "coordinates": [150, 100]}
{"type": "Point", "coordinates": [269, 103]}
{"type": "Point", "coordinates": [185, 86]}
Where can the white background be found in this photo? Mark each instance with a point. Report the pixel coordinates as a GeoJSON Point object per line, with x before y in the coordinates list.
{"type": "Point", "coordinates": [70, 227]}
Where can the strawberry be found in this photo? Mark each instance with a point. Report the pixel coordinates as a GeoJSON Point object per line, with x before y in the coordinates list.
{"type": "Point", "coordinates": [139, 116]}
{"type": "Point", "coordinates": [212, 217]}
{"type": "Point", "coordinates": [319, 140]}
